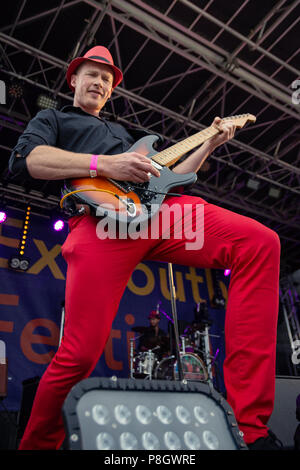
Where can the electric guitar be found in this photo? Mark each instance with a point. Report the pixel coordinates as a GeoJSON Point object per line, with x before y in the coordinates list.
{"type": "Point", "coordinates": [129, 202]}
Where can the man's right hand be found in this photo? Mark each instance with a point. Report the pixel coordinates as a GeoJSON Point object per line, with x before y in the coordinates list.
{"type": "Point", "coordinates": [51, 163]}
{"type": "Point", "coordinates": [130, 166]}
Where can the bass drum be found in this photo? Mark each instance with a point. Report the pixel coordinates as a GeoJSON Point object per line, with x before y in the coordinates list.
{"type": "Point", "coordinates": [193, 368]}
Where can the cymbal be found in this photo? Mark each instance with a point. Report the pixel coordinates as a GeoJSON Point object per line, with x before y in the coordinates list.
{"type": "Point", "coordinates": [151, 342]}
{"type": "Point", "coordinates": [139, 329]}
{"type": "Point", "coordinates": [160, 341]}
{"type": "Point", "coordinates": [199, 326]}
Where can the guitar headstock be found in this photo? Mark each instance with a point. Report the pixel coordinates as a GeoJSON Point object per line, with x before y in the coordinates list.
{"type": "Point", "coordinates": [241, 120]}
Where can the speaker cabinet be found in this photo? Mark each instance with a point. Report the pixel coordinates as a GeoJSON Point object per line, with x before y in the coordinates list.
{"type": "Point", "coordinates": [28, 393]}
{"type": "Point", "coordinates": [283, 421]}
{"type": "Point", "coordinates": [3, 379]}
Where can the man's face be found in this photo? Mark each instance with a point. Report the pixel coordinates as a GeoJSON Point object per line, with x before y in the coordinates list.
{"type": "Point", "coordinates": [93, 86]}
{"type": "Point", "coordinates": [154, 321]}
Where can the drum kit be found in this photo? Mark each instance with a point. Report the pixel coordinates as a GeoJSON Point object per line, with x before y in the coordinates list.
{"type": "Point", "coordinates": [185, 357]}
{"type": "Point", "coordinates": [157, 361]}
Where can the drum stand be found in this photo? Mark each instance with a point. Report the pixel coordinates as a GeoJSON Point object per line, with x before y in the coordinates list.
{"type": "Point", "coordinates": [174, 313]}
{"type": "Point", "coordinates": [148, 354]}
{"type": "Point", "coordinates": [151, 363]}
{"type": "Point", "coordinates": [132, 340]}
{"type": "Point", "coordinates": [207, 356]}
{"type": "Point", "coordinates": [176, 333]}
{"type": "Point", "coordinates": [62, 322]}
{"type": "Point", "coordinates": [131, 355]}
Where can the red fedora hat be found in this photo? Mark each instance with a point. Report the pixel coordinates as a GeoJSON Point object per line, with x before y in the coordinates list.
{"type": "Point", "coordinates": [154, 314]}
{"type": "Point", "coordinates": [97, 54]}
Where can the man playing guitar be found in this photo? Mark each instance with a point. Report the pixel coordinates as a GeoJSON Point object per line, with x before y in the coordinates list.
{"type": "Point", "coordinates": [77, 142]}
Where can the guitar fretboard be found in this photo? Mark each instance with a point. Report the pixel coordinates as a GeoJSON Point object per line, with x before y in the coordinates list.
{"type": "Point", "coordinates": [170, 155]}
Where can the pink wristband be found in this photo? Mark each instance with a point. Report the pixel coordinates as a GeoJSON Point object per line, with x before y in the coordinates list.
{"type": "Point", "coordinates": [93, 166]}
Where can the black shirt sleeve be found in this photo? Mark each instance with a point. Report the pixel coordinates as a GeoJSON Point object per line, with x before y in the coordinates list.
{"type": "Point", "coordinates": [41, 130]}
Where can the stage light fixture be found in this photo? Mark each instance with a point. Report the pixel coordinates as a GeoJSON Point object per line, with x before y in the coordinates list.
{"type": "Point", "coordinates": [253, 184]}
{"type": "Point", "coordinates": [134, 414]}
{"type": "Point", "coordinates": [2, 217]}
{"type": "Point", "coordinates": [24, 264]}
{"type": "Point", "coordinates": [274, 192]}
{"type": "Point", "coordinates": [25, 231]}
{"type": "Point", "coordinates": [15, 90]}
{"type": "Point", "coordinates": [45, 102]}
{"type": "Point", "coordinates": [18, 261]}
{"type": "Point", "coordinates": [58, 225]}
{"type": "Point", "coordinates": [227, 272]}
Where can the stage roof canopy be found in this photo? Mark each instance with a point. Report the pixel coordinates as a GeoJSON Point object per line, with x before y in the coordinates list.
{"type": "Point", "coordinates": [184, 62]}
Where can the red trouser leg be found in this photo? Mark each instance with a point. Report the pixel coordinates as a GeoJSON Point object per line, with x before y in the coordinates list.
{"type": "Point", "coordinates": [252, 252]}
{"type": "Point", "coordinates": [98, 271]}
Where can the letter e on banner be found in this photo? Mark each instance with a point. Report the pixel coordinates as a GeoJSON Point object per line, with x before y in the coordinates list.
{"type": "Point", "coordinates": [29, 337]}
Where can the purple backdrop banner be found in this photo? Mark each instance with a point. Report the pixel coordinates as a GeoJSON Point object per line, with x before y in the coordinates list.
{"type": "Point", "coordinates": [31, 304]}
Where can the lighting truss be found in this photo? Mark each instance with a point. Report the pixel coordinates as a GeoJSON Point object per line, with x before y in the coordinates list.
{"type": "Point", "coordinates": [275, 164]}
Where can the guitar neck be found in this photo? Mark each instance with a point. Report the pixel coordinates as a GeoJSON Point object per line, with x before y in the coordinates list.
{"type": "Point", "coordinates": [170, 155]}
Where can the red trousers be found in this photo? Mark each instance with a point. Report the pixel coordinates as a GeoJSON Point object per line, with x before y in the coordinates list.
{"type": "Point", "coordinates": [97, 275]}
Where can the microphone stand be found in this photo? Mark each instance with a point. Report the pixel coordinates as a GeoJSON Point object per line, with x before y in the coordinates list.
{"type": "Point", "coordinates": [62, 322]}
{"type": "Point", "coordinates": [174, 312]}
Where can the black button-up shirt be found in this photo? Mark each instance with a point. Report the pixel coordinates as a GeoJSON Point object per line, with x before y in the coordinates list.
{"type": "Point", "coordinates": [74, 130]}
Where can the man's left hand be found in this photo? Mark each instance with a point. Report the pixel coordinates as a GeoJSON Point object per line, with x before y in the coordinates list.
{"type": "Point", "coordinates": [227, 129]}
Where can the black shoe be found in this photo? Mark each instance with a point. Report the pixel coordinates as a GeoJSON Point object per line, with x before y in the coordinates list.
{"type": "Point", "coordinates": [270, 442]}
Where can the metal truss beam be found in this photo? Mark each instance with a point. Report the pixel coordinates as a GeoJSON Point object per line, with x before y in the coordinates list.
{"type": "Point", "coordinates": [241, 37]}
{"type": "Point", "coordinates": [38, 16]}
{"type": "Point", "coordinates": [287, 170]}
{"type": "Point", "coordinates": [196, 52]}
{"type": "Point", "coordinates": [228, 71]}
{"type": "Point", "coordinates": [192, 126]}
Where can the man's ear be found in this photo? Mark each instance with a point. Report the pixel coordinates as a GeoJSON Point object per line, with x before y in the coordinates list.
{"type": "Point", "coordinates": [73, 80]}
